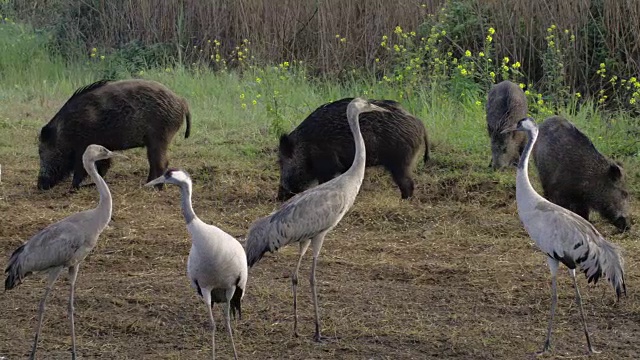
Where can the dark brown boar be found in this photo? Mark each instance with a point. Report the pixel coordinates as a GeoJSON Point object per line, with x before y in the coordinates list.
{"type": "Point", "coordinates": [506, 105]}
{"type": "Point", "coordinates": [118, 115]}
{"type": "Point", "coordinates": [322, 146]}
{"type": "Point", "coordinates": [576, 176]}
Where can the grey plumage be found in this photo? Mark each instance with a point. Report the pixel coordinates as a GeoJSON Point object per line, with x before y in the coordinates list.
{"type": "Point", "coordinates": [217, 263]}
{"type": "Point", "coordinates": [564, 236]}
{"type": "Point", "coordinates": [64, 244]}
{"type": "Point", "coordinates": [307, 217]}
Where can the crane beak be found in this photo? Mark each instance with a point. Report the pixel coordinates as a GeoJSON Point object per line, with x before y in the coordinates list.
{"type": "Point", "coordinates": [159, 180]}
{"type": "Point", "coordinates": [114, 154]}
{"type": "Point", "coordinates": [377, 108]}
{"type": "Point", "coordinates": [508, 130]}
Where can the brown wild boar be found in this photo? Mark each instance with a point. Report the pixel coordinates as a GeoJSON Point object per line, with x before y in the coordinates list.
{"type": "Point", "coordinates": [118, 115]}
{"type": "Point", "coordinates": [322, 146]}
{"type": "Point", "coordinates": [576, 176]}
{"type": "Point", "coordinates": [506, 105]}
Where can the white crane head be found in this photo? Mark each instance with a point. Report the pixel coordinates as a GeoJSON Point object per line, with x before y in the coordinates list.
{"type": "Point", "coordinates": [527, 124]}
{"type": "Point", "coordinates": [172, 176]}
{"type": "Point", "coordinates": [360, 105]}
{"type": "Point", "coordinates": [97, 152]}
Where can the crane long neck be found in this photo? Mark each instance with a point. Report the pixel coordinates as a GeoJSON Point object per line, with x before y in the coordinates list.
{"type": "Point", "coordinates": [105, 204]}
{"type": "Point", "coordinates": [522, 174]}
{"type": "Point", "coordinates": [187, 208]}
{"type": "Point", "coordinates": [360, 158]}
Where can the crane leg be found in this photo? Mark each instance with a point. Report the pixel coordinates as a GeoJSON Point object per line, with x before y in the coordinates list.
{"type": "Point", "coordinates": [553, 266]}
{"type": "Point", "coordinates": [304, 245]}
{"type": "Point", "coordinates": [317, 245]}
{"type": "Point", "coordinates": [584, 322]}
{"type": "Point", "coordinates": [53, 276]}
{"type": "Point", "coordinates": [73, 274]}
{"type": "Point", "coordinates": [206, 296]}
{"type": "Point", "coordinates": [227, 318]}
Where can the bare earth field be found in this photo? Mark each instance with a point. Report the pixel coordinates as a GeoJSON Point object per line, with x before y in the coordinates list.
{"type": "Point", "coordinates": [449, 274]}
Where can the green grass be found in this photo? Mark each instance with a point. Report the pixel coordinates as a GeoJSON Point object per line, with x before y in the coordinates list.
{"type": "Point", "coordinates": [238, 116]}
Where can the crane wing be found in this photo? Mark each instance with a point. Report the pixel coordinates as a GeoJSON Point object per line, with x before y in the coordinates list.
{"type": "Point", "coordinates": [572, 240]}
{"type": "Point", "coordinates": [301, 218]}
{"type": "Point", "coordinates": [55, 245]}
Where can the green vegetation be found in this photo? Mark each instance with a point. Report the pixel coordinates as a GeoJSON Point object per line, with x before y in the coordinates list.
{"type": "Point", "coordinates": [245, 107]}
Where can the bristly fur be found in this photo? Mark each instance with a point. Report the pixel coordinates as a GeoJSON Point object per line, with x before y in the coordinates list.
{"type": "Point", "coordinates": [87, 89]}
{"type": "Point", "coordinates": [14, 270]}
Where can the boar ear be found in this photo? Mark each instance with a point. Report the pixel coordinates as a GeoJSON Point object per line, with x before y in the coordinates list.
{"type": "Point", "coordinates": [286, 146]}
{"type": "Point", "coordinates": [47, 134]}
{"type": "Point", "coordinates": [615, 171]}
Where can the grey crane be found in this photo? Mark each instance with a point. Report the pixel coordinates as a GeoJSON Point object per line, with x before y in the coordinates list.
{"type": "Point", "coordinates": [564, 236]}
{"type": "Point", "coordinates": [64, 244]}
{"type": "Point", "coordinates": [307, 217]}
{"type": "Point", "coordinates": [217, 263]}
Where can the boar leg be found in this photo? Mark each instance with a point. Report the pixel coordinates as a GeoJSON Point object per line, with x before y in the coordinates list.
{"type": "Point", "coordinates": [103, 166]}
{"type": "Point", "coordinates": [79, 173]}
{"type": "Point", "coordinates": [570, 204]}
{"type": "Point", "coordinates": [158, 163]}
{"type": "Point", "coordinates": [580, 209]}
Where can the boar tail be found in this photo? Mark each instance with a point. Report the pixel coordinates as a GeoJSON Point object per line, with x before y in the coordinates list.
{"type": "Point", "coordinates": [187, 116]}
{"type": "Point", "coordinates": [426, 147]}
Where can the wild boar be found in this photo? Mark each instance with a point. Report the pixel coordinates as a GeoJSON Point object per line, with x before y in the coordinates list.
{"type": "Point", "coordinates": [118, 115]}
{"type": "Point", "coordinates": [576, 176]}
{"type": "Point", "coordinates": [322, 146]}
{"type": "Point", "coordinates": [506, 105]}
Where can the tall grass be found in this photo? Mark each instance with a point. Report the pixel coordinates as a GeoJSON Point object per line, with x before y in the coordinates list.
{"type": "Point", "coordinates": [312, 30]}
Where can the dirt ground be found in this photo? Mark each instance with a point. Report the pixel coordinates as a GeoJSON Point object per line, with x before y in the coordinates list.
{"type": "Point", "coordinates": [449, 274]}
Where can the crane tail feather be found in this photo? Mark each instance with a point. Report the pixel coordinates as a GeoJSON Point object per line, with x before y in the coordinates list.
{"type": "Point", "coordinates": [14, 269]}
{"type": "Point", "coordinates": [255, 250]}
{"type": "Point", "coordinates": [605, 261]}
{"type": "Point", "coordinates": [257, 243]}
{"type": "Point", "coordinates": [236, 303]}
